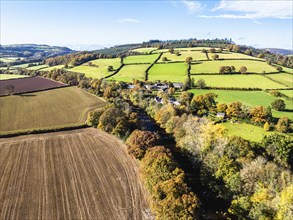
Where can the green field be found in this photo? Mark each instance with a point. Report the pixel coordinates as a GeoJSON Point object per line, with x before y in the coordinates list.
{"type": "Point", "coordinates": [214, 66]}
{"type": "Point", "coordinates": [284, 78]}
{"type": "Point", "coordinates": [140, 59]}
{"type": "Point", "coordinates": [287, 92]}
{"type": "Point", "coordinates": [9, 59]}
{"type": "Point", "coordinates": [25, 65]}
{"type": "Point", "coordinates": [46, 109]}
{"type": "Point", "coordinates": [231, 55]}
{"type": "Point", "coordinates": [249, 98]}
{"type": "Point", "coordinates": [10, 76]}
{"type": "Point", "coordinates": [103, 63]}
{"type": "Point", "coordinates": [286, 69]}
{"type": "Point", "coordinates": [174, 72]}
{"type": "Point", "coordinates": [53, 68]}
{"type": "Point", "coordinates": [38, 67]}
{"type": "Point", "coordinates": [246, 131]}
{"type": "Point", "coordinates": [99, 69]}
{"type": "Point", "coordinates": [196, 55]}
{"type": "Point", "coordinates": [238, 81]}
{"type": "Point", "coordinates": [130, 72]}
{"type": "Point", "coordinates": [145, 50]}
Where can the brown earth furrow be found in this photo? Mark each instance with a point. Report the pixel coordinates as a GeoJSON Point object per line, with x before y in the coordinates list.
{"type": "Point", "coordinates": [81, 174]}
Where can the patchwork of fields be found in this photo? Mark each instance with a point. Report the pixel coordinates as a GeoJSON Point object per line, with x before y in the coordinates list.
{"type": "Point", "coordinates": [81, 174]}
{"type": "Point", "coordinates": [57, 108]}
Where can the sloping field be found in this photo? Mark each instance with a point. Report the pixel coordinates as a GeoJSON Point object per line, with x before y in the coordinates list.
{"type": "Point", "coordinates": [57, 108]}
{"type": "Point", "coordinates": [130, 72]}
{"type": "Point", "coordinates": [81, 174]}
{"type": "Point", "coordinates": [231, 55]}
{"type": "Point", "coordinates": [239, 81]}
{"type": "Point", "coordinates": [100, 68]}
{"type": "Point", "coordinates": [141, 59]}
{"type": "Point", "coordinates": [174, 72]}
{"type": "Point", "coordinates": [284, 78]}
{"type": "Point", "coordinates": [249, 98]}
{"type": "Point", "coordinates": [29, 84]}
{"type": "Point", "coordinates": [287, 92]}
{"type": "Point", "coordinates": [53, 68]}
{"type": "Point", "coordinates": [214, 66]}
{"type": "Point", "coordinates": [38, 67]}
{"type": "Point", "coordinates": [10, 76]}
{"type": "Point", "coordinates": [196, 55]}
{"type": "Point", "coordinates": [145, 49]}
{"type": "Point", "coordinates": [246, 131]}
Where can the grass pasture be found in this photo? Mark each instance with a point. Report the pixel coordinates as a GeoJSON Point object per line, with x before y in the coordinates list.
{"type": "Point", "coordinates": [140, 59]}
{"type": "Point", "coordinates": [99, 68]}
{"type": "Point", "coordinates": [238, 81]}
{"type": "Point", "coordinates": [9, 59]}
{"type": "Point", "coordinates": [174, 72]}
{"type": "Point", "coordinates": [196, 55]}
{"type": "Point", "coordinates": [53, 68]}
{"type": "Point", "coordinates": [25, 65]}
{"type": "Point", "coordinates": [130, 72]}
{"type": "Point", "coordinates": [11, 76]}
{"type": "Point", "coordinates": [287, 92]}
{"type": "Point", "coordinates": [57, 108]}
{"type": "Point", "coordinates": [284, 78]}
{"type": "Point", "coordinates": [246, 131]}
{"type": "Point", "coordinates": [214, 66]}
{"type": "Point", "coordinates": [231, 55]}
{"type": "Point", "coordinates": [249, 98]}
{"type": "Point", "coordinates": [145, 50]}
{"type": "Point", "coordinates": [38, 67]}
{"type": "Point", "coordinates": [77, 174]}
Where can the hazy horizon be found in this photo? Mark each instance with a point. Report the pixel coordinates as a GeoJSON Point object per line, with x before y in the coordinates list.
{"type": "Point", "coordinates": [90, 24]}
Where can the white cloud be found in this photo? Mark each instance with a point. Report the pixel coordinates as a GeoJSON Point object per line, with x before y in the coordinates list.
{"type": "Point", "coordinates": [192, 6]}
{"type": "Point", "coordinates": [257, 22]}
{"type": "Point", "coordinates": [129, 20]}
{"type": "Point", "coordinates": [253, 9]}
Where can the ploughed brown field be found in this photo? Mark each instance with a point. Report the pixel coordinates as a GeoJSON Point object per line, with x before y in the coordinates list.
{"type": "Point", "coordinates": [81, 174]}
{"type": "Point", "coordinates": [29, 84]}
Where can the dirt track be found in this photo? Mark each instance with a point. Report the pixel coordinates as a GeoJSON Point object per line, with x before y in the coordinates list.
{"type": "Point", "coordinates": [82, 174]}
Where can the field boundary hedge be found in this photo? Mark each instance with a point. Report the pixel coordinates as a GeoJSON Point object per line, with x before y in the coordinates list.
{"type": "Point", "coordinates": [233, 88]}
{"type": "Point", "coordinates": [147, 70]}
{"type": "Point", "coordinates": [115, 72]}
{"type": "Point", "coordinates": [42, 131]}
{"type": "Point", "coordinates": [276, 81]}
{"type": "Point", "coordinates": [40, 90]}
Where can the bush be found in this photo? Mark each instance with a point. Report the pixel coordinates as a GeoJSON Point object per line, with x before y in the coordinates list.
{"type": "Point", "coordinates": [278, 105]}
{"type": "Point", "coordinates": [164, 59]}
{"type": "Point", "coordinates": [283, 125]}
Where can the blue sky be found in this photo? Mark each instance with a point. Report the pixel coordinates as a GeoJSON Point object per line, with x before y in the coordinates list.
{"type": "Point", "coordinates": [103, 23]}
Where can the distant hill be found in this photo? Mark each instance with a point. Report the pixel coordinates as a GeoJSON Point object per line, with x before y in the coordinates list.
{"type": "Point", "coordinates": [280, 51]}
{"type": "Point", "coordinates": [32, 51]}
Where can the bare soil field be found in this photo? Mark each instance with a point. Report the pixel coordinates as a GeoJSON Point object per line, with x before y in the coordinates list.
{"type": "Point", "coordinates": [29, 84]}
{"type": "Point", "coordinates": [81, 174]}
